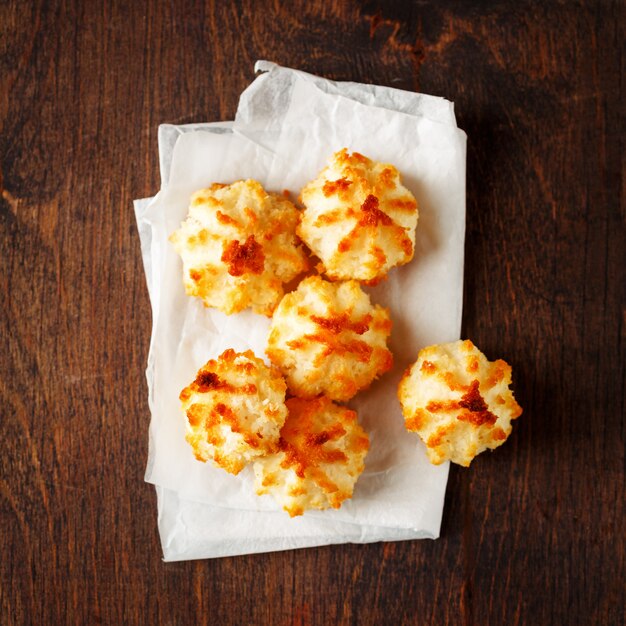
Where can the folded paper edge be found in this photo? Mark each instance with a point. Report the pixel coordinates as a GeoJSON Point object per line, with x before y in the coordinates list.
{"type": "Point", "coordinates": [333, 87]}
{"type": "Point", "coordinates": [175, 549]}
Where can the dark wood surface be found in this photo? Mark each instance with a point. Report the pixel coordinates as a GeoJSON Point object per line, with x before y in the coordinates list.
{"type": "Point", "coordinates": [533, 533]}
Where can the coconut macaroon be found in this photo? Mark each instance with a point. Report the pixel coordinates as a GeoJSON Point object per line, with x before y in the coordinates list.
{"type": "Point", "coordinates": [235, 409]}
{"type": "Point", "coordinates": [458, 402]}
{"type": "Point", "coordinates": [321, 455]}
{"type": "Point", "coordinates": [238, 247]}
{"type": "Point", "coordinates": [327, 338]}
{"type": "Point", "coordinates": [359, 218]}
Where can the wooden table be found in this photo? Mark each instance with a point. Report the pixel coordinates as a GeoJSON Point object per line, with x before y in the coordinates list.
{"type": "Point", "coordinates": [532, 534]}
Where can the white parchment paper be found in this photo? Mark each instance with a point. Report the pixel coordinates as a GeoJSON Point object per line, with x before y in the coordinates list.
{"type": "Point", "coordinates": [288, 123]}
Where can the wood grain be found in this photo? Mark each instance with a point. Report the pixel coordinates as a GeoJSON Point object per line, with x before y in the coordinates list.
{"type": "Point", "coordinates": [532, 534]}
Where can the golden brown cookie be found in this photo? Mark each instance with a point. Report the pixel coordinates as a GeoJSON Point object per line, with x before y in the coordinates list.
{"type": "Point", "coordinates": [321, 455]}
{"type": "Point", "coordinates": [235, 409]}
{"type": "Point", "coordinates": [359, 219]}
{"type": "Point", "coordinates": [458, 402]}
{"type": "Point", "coordinates": [327, 338]}
{"type": "Point", "coordinates": [238, 246]}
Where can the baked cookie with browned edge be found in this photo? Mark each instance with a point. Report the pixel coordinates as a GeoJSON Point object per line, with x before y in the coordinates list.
{"type": "Point", "coordinates": [235, 409]}
{"type": "Point", "coordinates": [458, 402]}
{"type": "Point", "coordinates": [328, 338]}
{"type": "Point", "coordinates": [239, 247]}
{"type": "Point", "coordinates": [358, 219]}
{"type": "Point", "coordinates": [320, 457]}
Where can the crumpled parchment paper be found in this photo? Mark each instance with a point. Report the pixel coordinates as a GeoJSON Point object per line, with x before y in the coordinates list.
{"type": "Point", "coordinates": [287, 125]}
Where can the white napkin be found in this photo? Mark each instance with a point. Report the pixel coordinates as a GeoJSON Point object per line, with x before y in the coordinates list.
{"type": "Point", "coordinates": [287, 125]}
